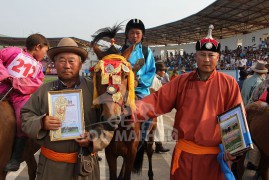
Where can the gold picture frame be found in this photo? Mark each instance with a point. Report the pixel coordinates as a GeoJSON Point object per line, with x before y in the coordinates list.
{"type": "Point", "coordinates": [67, 105]}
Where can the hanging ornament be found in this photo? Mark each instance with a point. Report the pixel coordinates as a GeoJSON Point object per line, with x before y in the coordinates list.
{"type": "Point", "coordinates": [116, 97]}
{"type": "Point", "coordinates": [125, 68]}
{"type": "Point", "coordinates": [105, 78]}
{"type": "Point", "coordinates": [116, 79]}
{"type": "Point", "coordinates": [111, 89]}
{"type": "Point", "coordinates": [117, 70]}
{"type": "Point", "coordinates": [109, 68]}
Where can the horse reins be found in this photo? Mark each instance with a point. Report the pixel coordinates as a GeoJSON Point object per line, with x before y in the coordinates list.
{"type": "Point", "coordinates": [5, 95]}
{"type": "Point", "coordinates": [122, 104]}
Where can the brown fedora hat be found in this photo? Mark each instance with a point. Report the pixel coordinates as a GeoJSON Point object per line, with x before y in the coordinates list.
{"type": "Point", "coordinates": [259, 67]}
{"type": "Point", "coordinates": [67, 45]}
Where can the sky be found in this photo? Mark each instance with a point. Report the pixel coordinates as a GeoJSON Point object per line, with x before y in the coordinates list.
{"type": "Point", "coordinates": [82, 18]}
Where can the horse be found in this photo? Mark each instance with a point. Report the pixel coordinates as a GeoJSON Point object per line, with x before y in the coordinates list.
{"type": "Point", "coordinates": [114, 95]}
{"type": "Point", "coordinates": [257, 115]}
{"type": "Point", "coordinates": [257, 118]}
{"type": "Point", "coordinates": [7, 138]}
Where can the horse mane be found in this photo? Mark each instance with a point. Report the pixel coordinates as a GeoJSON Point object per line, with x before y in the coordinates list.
{"type": "Point", "coordinates": [106, 33]}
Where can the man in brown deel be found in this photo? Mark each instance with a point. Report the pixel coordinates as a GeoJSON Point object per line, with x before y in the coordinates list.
{"type": "Point", "coordinates": [58, 159]}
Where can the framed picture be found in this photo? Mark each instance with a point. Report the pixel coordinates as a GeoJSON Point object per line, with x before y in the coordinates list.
{"type": "Point", "coordinates": [67, 105]}
{"type": "Point", "coordinates": [234, 130]}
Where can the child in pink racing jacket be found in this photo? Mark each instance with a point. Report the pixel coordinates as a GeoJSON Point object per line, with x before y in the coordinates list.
{"type": "Point", "coordinates": [21, 70]}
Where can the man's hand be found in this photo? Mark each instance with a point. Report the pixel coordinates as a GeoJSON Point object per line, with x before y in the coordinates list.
{"type": "Point", "coordinates": [138, 65]}
{"type": "Point", "coordinates": [51, 123]}
{"type": "Point", "coordinates": [84, 140]}
{"type": "Point", "coordinates": [135, 83]}
{"type": "Point", "coordinates": [229, 157]}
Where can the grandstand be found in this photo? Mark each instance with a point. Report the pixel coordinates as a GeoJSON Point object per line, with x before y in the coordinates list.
{"type": "Point", "coordinates": [229, 17]}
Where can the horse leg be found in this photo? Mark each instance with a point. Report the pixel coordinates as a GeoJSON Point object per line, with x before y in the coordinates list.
{"type": "Point", "coordinates": [264, 166]}
{"type": "Point", "coordinates": [29, 157]}
{"type": "Point", "coordinates": [149, 147]}
{"type": "Point", "coordinates": [112, 163]}
{"type": "Point", "coordinates": [128, 163]}
{"type": "Point", "coordinates": [32, 167]}
{"type": "Point", "coordinates": [7, 135]}
{"type": "Point", "coordinates": [149, 154]}
{"type": "Point", "coordinates": [240, 168]}
{"type": "Point", "coordinates": [3, 175]}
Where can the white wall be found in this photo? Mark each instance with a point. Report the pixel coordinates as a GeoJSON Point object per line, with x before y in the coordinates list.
{"type": "Point", "coordinates": [160, 50]}
{"type": "Point", "coordinates": [247, 40]}
{"type": "Point", "coordinates": [90, 61]}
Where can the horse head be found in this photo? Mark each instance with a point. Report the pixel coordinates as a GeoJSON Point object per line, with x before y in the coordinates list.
{"type": "Point", "coordinates": [113, 79]}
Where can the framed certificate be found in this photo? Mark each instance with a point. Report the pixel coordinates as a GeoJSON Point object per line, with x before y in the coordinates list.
{"type": "Point", "coordinates": [234, 130]}
{"type": "Point", "coordinates": [67, 105]}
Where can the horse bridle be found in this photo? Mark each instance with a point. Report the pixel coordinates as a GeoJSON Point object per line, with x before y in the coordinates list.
{"type": "Point", "coordinates": [121, 104]}
{"type": "Point", "coordinates": [110, 72]}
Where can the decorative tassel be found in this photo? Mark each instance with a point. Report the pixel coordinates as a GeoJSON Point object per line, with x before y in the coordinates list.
{"type": "Point", "coordinates": [97, 67]}
{"type": "Point", "coordinates": [131, 96]}
{"type": "Point", "coordinates": [95, 94]}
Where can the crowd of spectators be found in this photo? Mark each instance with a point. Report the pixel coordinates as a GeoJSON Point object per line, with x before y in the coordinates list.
{"type": "Point", "coordinates": [177, 61]}
{"type": "Point", "coordinates": [240, 58]}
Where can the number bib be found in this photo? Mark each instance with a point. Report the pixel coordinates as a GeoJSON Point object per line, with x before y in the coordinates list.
{"type": "Point", "coordinates": [23, 66]}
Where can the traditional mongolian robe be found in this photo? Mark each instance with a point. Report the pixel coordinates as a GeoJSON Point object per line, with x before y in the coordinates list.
{"type": "Point", "coordinates": [258, 91]}
{"type": "Point", "coordinates": [146, 73]}
{"type": "Point", "coordinates": [159, 132]}
{"type": "Point", "coordinates": [31, 115]}
{"type": "Point", "coordinates": [196, 129]}
{"type": "Point", "coordinates": [249, 85]}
